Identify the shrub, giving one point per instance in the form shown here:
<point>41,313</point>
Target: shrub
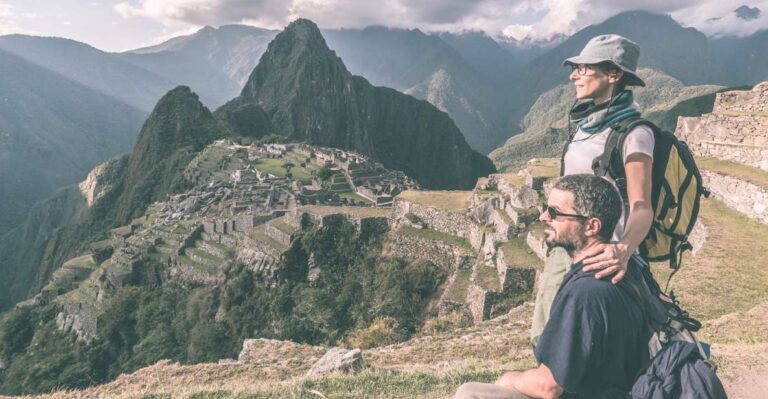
<point>383,331</point>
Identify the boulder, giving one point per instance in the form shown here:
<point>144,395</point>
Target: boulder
<point>338,360</point>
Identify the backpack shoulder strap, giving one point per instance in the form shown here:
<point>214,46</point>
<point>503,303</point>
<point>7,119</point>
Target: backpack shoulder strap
<point>614,145</point>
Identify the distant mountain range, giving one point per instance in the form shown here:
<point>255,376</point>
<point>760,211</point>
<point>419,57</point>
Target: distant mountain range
<point>486,86</point>
<point>53,130</point>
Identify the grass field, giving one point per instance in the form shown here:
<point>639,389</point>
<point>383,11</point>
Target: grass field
<point>728,274</point>
<point>275,167</point>
<point>487,278</point>
<point>518,254</point>
<point>750,174</point>
<point>457,291</point>
<point>454,201</point>
<point>439,236</point>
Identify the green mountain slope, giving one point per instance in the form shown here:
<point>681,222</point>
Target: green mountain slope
<point>309,95</point>
<point>52,132</point>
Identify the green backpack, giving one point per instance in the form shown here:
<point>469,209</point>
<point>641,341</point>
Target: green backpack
<point>676,189</point>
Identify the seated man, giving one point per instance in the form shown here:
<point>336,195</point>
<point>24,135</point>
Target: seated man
<point>595,341</point>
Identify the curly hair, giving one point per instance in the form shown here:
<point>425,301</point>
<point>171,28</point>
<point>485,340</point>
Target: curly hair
<point>594,197</point>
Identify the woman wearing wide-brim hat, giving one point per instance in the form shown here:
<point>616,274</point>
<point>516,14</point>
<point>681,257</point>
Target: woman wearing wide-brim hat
<point>601,74</point>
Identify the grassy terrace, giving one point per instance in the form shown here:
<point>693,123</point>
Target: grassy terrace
<point>457,291</point>
<point>725,276</point>
<point>454,201</point>
<point>487,277</point>
<point>347,210</point>
<point>430,234</point>
<point>750,174</point>
<point>547,167</point>
<point>284,227</point>
<point>186,261</point>
<point>513,179</point>
<point>275,167</point>
<point>259,235</point>
<point>81,262</point>
<point>517,254</point>
<point>356,197</point>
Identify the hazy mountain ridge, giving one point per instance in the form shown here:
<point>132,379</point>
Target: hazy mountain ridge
<point>410,61</point>
<point>52,132</point>
<point>101,71</point>
<point>214,62</point>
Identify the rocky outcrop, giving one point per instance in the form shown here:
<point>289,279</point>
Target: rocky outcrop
<point>338,360</point>
<point>102,179</point>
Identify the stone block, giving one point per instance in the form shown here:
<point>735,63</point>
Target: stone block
<point>338,360</point>
<point>519,279</point>
<point>537,245</point>
<point>477,301</point>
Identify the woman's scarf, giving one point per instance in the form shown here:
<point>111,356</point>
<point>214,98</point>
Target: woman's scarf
<point>593,118</point>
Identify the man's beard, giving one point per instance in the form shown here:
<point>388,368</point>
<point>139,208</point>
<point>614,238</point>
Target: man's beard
<point>572,242</point>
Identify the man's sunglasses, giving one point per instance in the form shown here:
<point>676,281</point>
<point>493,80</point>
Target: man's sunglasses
<point>553,213</point>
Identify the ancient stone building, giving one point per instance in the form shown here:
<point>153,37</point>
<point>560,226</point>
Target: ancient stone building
<point>736,130</point>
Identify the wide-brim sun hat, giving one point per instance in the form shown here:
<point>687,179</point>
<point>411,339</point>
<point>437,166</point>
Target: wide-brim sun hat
<point>618,50</point>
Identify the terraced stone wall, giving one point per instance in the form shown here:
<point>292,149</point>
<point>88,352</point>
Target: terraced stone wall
<point>737,194</point>
<point>447,257</point>
<point>748,101</point>
<point>736,130</point>
<point>438,219</point>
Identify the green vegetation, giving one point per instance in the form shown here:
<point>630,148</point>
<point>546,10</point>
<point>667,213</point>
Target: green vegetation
<point>277,168</point>
<point>756,176</point>
<point>357,296</point>
<point>357,198</point>
<point>457,291</point>
<point>487,277</point>
<point>518,254</point>
<point>439,236</point>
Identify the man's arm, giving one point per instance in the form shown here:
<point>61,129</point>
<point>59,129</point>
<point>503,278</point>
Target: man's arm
<point>536,383</point>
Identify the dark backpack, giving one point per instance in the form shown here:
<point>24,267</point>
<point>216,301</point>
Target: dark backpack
<point>676,189</point>
<point>677,364</point>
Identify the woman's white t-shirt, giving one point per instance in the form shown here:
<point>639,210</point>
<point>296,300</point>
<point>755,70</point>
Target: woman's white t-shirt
<point>585,147</point>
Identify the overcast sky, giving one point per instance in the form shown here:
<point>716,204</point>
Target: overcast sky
<point>118,25</point>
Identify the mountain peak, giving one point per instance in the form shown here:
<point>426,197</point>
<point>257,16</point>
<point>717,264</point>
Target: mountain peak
<point>296,56</point>
<point>301,34</point>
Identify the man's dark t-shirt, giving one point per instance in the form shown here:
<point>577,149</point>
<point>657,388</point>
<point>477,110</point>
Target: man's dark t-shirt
<point>595,339</point>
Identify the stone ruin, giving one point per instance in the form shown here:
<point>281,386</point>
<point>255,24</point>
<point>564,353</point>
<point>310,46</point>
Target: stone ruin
<point>736,131</point>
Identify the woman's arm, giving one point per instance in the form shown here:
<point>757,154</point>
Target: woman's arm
<point>612,258</point>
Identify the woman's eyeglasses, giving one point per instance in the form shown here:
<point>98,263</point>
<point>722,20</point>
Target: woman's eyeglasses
<point>553,213</point>
<point>581,69</point>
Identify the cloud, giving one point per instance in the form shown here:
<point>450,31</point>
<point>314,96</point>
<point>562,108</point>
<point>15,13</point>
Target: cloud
<point>747,13</point>
<point>9,24</point>
<point>720,18</point>
<point>205,12</point>
<point>495,17</point>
